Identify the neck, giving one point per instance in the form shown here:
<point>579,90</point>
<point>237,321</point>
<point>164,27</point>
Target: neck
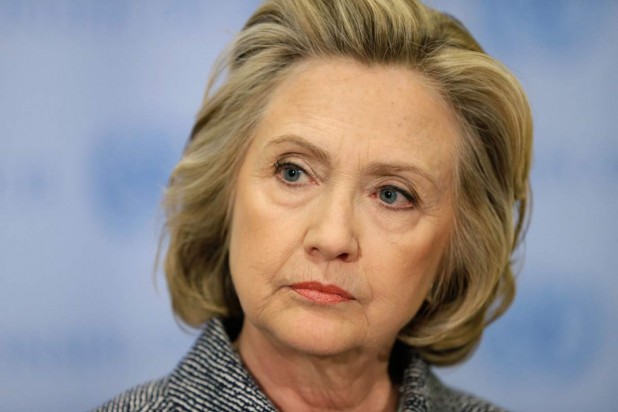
<point>294,381</point>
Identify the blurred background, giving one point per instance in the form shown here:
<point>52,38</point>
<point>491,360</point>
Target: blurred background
<point>96,101</point>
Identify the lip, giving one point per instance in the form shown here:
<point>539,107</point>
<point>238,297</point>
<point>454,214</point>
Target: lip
<point>322,294</point>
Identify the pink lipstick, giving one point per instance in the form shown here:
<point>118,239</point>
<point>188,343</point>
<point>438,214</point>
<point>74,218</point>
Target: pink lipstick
<point>323,294</point>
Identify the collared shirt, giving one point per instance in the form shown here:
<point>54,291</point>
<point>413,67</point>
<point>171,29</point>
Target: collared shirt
<point>211,377</point>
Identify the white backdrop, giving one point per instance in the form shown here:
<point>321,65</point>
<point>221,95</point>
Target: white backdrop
<point>96,101</point>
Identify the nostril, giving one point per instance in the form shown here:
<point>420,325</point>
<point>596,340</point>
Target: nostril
<point>344,256</point>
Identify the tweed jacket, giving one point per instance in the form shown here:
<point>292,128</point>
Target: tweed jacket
<point>212,377</point>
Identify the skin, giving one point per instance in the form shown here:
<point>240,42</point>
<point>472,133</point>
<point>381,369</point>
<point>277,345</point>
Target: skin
<point>347,182</point>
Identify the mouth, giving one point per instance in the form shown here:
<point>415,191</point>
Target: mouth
<point>322,294</point>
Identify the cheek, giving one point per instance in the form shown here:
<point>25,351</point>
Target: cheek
<point>250,254</point>
<point>249,237</point>
<point>403,269</point>
<point>260,240</point>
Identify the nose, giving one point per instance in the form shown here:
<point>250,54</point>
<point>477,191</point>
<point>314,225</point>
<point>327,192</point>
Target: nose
<point>332,234</point>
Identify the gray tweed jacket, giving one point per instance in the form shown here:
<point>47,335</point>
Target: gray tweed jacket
<point>211,377</point>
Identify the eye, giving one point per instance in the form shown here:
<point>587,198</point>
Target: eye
<point>290,173</point>
<point>388,195</point>
<point>396,198</point>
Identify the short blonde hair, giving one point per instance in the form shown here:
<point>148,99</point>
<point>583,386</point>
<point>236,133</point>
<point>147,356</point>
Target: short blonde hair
<point>476,283</point>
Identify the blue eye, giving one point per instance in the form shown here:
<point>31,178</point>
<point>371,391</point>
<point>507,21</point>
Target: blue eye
<point>291,173</point>
<point>388,195</point>
<point>396,198</point>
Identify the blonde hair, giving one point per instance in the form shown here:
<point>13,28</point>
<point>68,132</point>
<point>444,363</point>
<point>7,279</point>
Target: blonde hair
<point>476,282</point>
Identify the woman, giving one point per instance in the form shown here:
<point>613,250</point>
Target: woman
<point>344,214</point>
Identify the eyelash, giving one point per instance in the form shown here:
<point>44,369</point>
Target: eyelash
<point>414,201</point>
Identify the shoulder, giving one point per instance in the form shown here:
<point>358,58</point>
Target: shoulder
<point>211,377</point>
<point>445,398</point>
<point>422,390</point>
<point>150,396</point>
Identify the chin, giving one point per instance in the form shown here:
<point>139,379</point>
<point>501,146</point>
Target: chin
<point>318,331</point>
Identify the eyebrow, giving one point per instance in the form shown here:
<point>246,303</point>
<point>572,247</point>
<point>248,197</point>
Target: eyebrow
<point>315,151</point>
<point>376,169</point>
<point>387,169</point>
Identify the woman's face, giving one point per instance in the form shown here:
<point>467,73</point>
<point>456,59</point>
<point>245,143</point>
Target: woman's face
<point>343,206</point>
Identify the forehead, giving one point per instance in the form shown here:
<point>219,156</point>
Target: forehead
<point>351,109</point>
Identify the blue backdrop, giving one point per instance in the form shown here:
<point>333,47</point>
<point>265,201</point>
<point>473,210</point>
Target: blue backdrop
<point>96,101</point>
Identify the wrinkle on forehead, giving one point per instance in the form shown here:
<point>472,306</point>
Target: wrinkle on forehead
<point>368,110</point>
